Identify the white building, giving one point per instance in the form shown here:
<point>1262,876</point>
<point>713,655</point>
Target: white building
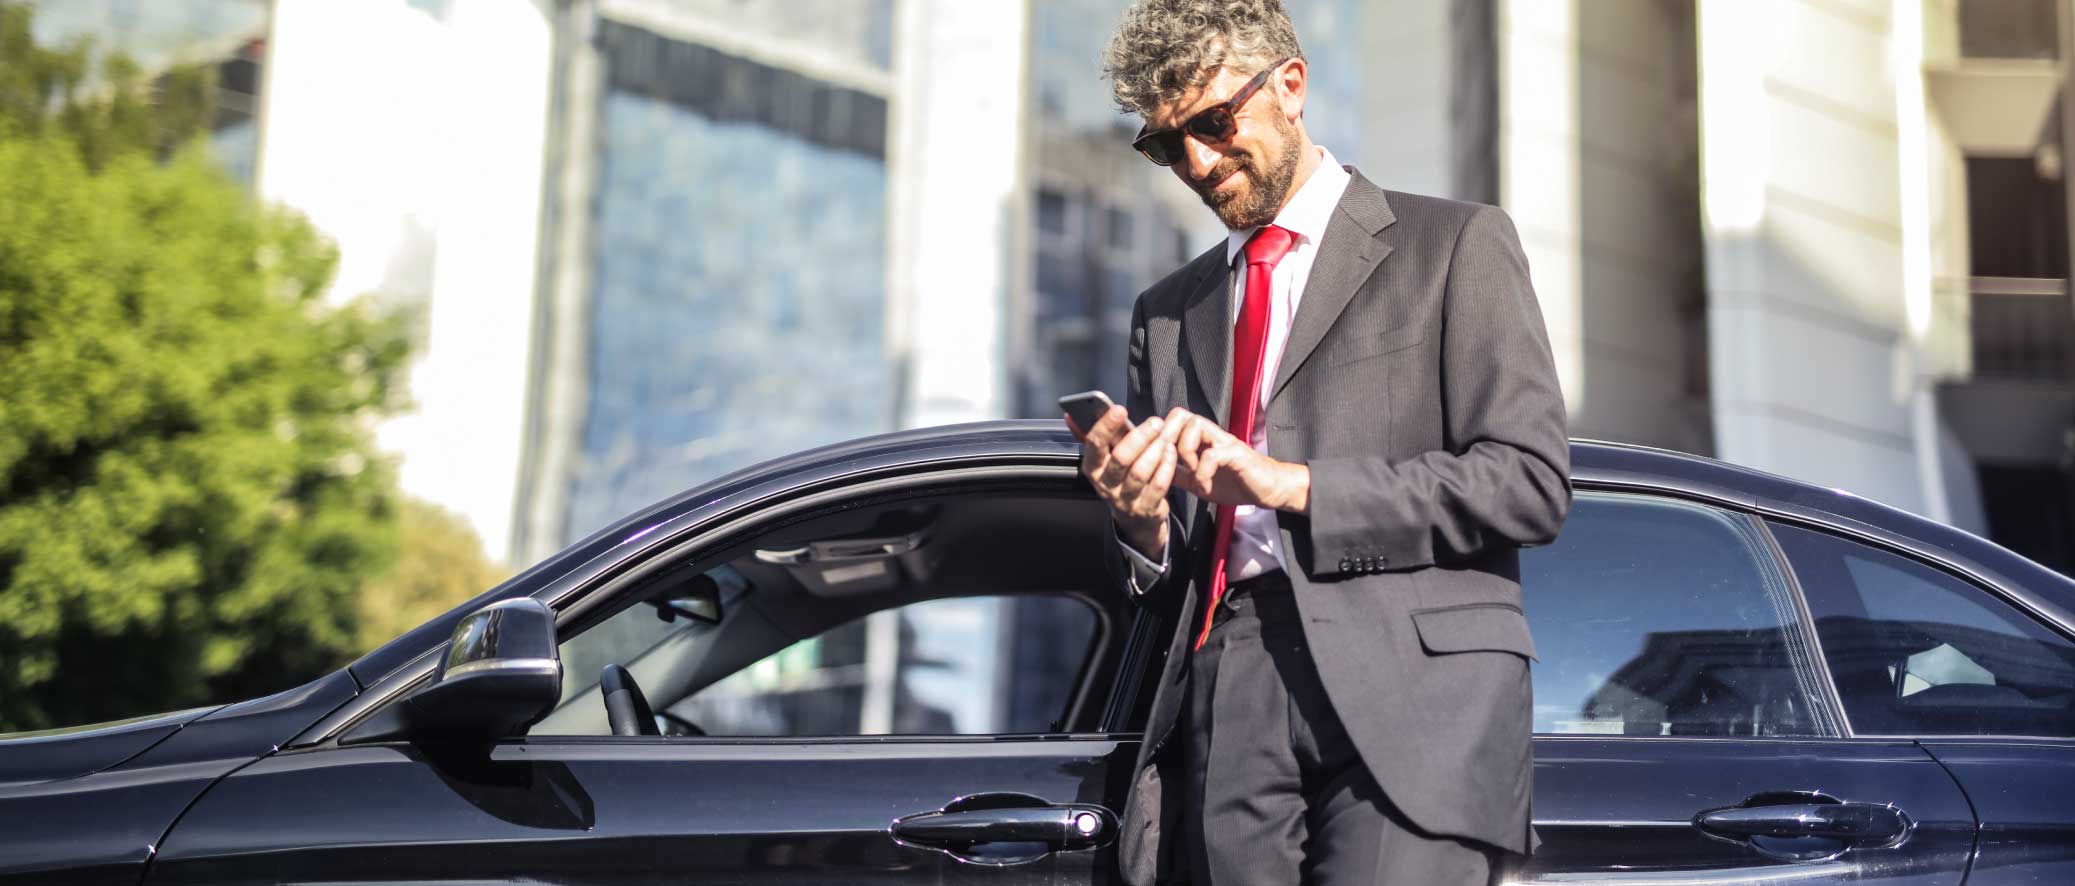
<point>655,240</point>
<point>1825,239</point>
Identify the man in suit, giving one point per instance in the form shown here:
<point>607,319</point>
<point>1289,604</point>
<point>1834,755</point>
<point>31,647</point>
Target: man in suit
<point>1347,425</point>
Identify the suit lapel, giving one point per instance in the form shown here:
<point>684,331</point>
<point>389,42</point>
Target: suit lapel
<point>1348,255</point>
<point>1207,326</point>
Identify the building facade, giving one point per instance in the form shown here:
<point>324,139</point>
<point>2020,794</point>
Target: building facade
<point>654,241</point>
<point>229,36</point>
<point>1826,239</point>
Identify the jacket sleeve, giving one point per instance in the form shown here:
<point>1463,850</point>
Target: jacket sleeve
<point>1141,577</point>
<point>1504,479</point>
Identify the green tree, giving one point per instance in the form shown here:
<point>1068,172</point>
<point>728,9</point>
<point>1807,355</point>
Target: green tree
<point>440,565</point>
<point>189,499</point>
<point>100,101</point>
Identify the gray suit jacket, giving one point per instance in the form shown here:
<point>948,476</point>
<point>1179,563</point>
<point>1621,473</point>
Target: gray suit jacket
<point>1417,384</point>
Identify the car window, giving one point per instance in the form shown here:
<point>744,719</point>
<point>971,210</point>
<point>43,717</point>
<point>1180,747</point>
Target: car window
<point>963,666</point>
<point>1657,617</point>
<point>984,665</point>
<point>630,634</point>
<point>1918,651</point>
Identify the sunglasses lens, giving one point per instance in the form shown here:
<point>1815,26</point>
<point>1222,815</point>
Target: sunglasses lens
<point>1214,125</point>
<point>1163,148</point>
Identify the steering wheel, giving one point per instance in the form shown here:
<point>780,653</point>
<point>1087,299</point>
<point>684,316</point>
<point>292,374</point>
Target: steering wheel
<point>625,707</point>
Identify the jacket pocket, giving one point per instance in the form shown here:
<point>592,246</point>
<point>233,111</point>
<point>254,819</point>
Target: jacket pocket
<point>1390,342</point>
<point>1474,627</point>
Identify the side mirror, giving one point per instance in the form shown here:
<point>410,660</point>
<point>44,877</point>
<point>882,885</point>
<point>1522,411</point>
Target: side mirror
<point>501,673</point>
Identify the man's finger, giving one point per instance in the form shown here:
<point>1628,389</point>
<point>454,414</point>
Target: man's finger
<point>1127,449</point>
<point>1143,494</point>
<point>1155,489</point>
<point>1185,478</point>
<point>1218,436</point>
<point>1109,428</point>
<point>1163,477</point>
<point>1093,459</point>
<point>1115,456</point>
<point>1207,466</point>
<point>1148,460</point>
<point>1190,442</point>
<point>1171,429</point>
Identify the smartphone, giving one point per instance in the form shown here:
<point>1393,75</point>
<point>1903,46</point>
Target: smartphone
<point>1087,408</point>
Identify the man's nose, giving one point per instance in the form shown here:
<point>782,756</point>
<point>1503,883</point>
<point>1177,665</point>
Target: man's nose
<point>1202,158</point>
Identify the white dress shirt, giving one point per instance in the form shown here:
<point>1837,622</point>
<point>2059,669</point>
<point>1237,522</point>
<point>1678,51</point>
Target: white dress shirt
<point>1256,543</point>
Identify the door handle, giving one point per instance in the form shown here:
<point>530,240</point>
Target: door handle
<point>1855,822</point>
<point>1006,828</point>
<point>1805,826</point>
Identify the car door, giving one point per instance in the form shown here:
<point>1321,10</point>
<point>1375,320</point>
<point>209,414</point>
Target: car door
<point>921,703</point>
<point>1683,733</point>
<point>1922,653</point>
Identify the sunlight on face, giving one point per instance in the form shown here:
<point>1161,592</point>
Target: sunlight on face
<point>1245,180</point>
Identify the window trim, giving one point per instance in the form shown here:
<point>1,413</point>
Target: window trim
<point>1826,683</point>
<point>1670,487</point>
<point>1991,589</point>
<point>1141,644</point>
<point>1972,577</point>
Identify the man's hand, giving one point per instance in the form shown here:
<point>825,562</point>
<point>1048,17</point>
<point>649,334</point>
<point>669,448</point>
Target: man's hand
<point>1218,467</point>
<point>1131,470</point>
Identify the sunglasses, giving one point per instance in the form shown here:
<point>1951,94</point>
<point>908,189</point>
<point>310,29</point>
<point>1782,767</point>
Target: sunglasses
<point>1214,125</point>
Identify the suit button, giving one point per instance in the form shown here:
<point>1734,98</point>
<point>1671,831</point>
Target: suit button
<point>1346,565</point>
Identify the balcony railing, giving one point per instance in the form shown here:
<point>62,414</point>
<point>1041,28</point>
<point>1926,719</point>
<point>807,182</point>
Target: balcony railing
<point>2023,329</point>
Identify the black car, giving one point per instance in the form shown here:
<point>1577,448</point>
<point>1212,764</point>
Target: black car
<point>898,660</point>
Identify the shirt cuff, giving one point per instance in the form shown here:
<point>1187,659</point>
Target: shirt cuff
<point>1143,572</point>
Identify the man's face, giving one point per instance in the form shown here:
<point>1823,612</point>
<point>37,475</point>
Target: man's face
<point>1247,179</point>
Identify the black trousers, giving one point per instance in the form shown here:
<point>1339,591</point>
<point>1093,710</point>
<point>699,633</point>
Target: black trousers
<point>1277,792</point>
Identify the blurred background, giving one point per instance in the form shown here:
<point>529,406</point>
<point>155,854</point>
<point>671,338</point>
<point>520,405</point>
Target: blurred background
<point>317,316</point>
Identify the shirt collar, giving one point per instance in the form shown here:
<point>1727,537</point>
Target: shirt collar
<point>1308,210</point>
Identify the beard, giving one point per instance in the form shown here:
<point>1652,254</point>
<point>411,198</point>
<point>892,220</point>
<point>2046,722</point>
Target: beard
<point>1266,189</point>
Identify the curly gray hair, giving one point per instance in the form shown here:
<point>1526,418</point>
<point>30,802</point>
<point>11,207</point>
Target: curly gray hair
<point>1166,48</point>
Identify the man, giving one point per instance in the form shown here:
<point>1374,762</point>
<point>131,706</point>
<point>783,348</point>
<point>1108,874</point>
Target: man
<point>1355,394</point>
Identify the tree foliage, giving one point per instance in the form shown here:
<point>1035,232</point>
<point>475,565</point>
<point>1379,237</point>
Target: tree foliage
<point>439,566</point>
<point>189,498</point>
<point>101,102</point>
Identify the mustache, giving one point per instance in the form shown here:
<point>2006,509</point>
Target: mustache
<point>1219,173</point>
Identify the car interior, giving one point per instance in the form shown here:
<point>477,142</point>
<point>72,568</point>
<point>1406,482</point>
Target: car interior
<point>1017,579</point>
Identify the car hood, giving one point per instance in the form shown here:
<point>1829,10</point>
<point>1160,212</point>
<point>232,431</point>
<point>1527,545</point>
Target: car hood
<point>57,754</point>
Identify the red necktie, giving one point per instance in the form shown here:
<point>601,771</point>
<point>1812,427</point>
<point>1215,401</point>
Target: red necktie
<point>1249,345</point>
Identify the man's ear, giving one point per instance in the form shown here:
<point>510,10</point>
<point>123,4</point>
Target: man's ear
<point>1293,79</point>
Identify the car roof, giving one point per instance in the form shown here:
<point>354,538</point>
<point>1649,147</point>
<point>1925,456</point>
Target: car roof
<point>1595,464</point>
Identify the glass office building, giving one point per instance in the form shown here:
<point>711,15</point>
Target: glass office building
<point>228,35</point>
<point>1107,224</point>
<point>737,267</point>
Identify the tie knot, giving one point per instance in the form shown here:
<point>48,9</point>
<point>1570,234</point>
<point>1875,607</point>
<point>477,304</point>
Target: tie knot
<point>1269,245</point>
